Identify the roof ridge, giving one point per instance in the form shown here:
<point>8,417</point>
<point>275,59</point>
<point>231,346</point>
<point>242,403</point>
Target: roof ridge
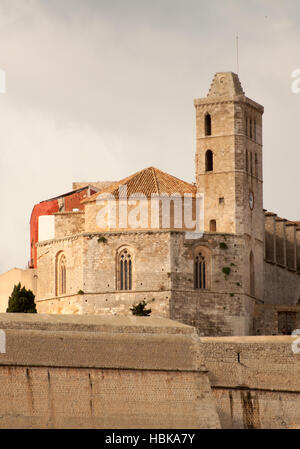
<point>155,179</point>
<point>172,176</point>
<point>156,182</point>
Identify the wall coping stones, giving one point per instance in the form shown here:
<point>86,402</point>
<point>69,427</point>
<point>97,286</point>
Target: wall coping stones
<point>142,343</point>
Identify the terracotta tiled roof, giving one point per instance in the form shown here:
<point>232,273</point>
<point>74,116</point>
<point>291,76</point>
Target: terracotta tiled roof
<point>147,182</point>
<point>98,184</point>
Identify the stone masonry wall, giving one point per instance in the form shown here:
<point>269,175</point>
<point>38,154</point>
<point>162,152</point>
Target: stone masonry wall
<point>110,304</point>
<point>214,314</point>
<point>135,372</point>
<point>267,318</point>
<point>225,308</point>
<point>101,372</point>
<point>92,267</point>
<point>68,223</point>
<point>163,276</point>
<point>150,252</point>
<point>282,286</point>
<point>46,267</point>
<point>255,381</point>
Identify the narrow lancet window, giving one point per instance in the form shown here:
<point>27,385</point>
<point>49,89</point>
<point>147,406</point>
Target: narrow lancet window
<point>125,271</point>
<point>209,163</point>
<point>61,275</point>
<point>207,125</point>
<point>200,271</point>
<point>256,165</point>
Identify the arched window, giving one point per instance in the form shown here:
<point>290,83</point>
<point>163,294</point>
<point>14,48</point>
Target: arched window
<point>212,226</point>
<point>209,165</point>
<point>247,164</point>
<point>251,163</point>
<point>255,130</point>
<point>201,268</point>
<point>252,278</point>
<point>246,126</point>
<point>61,274</point>
<point>256,165</point>
<point>207,125</point>
<point>125,270</point>
<point>250,128</point>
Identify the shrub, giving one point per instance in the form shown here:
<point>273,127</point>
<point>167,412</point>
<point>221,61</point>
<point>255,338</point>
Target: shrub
<point>80,292</point>
<point>139,309</point>
<point>223,245</point>
<point>21,301</point>
<point>226,270</point>
<point>102,239</point>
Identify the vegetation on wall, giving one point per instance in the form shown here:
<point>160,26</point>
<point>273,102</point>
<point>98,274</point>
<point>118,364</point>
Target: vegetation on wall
<point>226,270</point>
<point>21,301</point>
<point>140,310</point>
<point>102,239</point>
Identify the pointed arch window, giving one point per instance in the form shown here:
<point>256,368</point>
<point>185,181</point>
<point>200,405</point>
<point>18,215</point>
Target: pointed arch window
<point>209,160</point>
<point>247,163</point>
<point>207,125</point>
<point>200,271</point>
<point>252,274</point>
<point>201,268</point>
<point>125,267</point>
<point>61,275</point>
<point>256,165</point>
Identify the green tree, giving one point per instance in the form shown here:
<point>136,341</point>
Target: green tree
<point>21,301</point>
<point>139,309</point>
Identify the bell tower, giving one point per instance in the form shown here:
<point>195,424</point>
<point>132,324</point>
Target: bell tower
<point>229,173</point>
<point>229,158</point>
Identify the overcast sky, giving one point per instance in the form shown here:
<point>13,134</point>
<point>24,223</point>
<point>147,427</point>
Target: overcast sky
<point>99,89</point>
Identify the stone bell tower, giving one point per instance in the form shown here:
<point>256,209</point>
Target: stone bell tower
<point>229,166</point>
<point>229,158</point>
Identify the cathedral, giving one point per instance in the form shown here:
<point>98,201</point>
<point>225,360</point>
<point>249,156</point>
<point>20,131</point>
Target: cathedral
<point>217,260</point>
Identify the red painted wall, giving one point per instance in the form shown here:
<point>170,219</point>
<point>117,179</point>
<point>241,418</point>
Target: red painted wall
<point>73,201</point>
<point>49,207</point>
<point>44,208</point>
